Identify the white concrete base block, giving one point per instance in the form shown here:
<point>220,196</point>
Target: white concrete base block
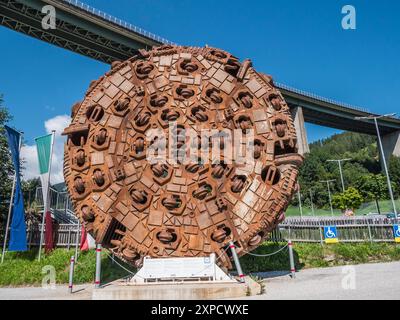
<point>177,291</point>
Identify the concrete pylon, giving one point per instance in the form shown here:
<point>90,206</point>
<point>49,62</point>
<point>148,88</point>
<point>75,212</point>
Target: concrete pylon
<point>391,145</point>
<point>299,124</point>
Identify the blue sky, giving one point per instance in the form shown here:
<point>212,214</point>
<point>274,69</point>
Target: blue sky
<point>300,43</point>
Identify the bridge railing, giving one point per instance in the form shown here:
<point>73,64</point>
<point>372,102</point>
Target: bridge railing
<point>116,21</point>
<point>312,95</point>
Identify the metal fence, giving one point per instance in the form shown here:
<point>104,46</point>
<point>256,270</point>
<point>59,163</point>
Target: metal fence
<point>372,228</point>
<point>65,235</point>
<point>309,230</point>
<point>357,229</point>
<point>59,200</point>
<point>60,205</point>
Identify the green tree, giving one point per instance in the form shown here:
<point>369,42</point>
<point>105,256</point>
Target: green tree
<point>351,199</point>
<point>29,189</point>
<point>6,167</point>
<point>373,187</point>
<point>361,148</point>
<point>394,172</point>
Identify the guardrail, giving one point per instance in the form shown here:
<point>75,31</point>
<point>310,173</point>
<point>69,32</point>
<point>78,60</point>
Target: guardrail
<point>109,18</point>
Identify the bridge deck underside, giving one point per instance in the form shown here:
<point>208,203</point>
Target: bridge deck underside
<point>323,114</point>
<point>76,31</point>
<point>89,35</point>
<point>340,122</point>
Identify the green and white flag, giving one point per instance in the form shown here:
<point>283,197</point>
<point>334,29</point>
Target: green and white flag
<point>44,149</point>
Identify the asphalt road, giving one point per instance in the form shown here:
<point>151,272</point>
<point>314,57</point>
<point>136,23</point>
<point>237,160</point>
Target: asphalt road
<point>368,281</point>
<point>379,281</point>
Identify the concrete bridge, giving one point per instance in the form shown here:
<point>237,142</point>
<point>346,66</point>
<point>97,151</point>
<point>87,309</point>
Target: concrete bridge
<point>90,32</point>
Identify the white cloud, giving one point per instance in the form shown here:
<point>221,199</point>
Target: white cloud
<point>28,152</point>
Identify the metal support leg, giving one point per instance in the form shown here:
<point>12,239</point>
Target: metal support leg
<point>236,260</point>
<point>98,266</point>
<point>291,260</point>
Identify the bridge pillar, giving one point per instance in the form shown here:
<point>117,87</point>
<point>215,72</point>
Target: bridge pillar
<point>391,145</point>
<point>297,114</point>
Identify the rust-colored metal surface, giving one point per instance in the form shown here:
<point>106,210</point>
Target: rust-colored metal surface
<point>139,205</point>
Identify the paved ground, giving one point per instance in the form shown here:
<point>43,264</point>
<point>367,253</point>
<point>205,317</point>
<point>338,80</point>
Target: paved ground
<point>81,292</point>
<point>368,281</point>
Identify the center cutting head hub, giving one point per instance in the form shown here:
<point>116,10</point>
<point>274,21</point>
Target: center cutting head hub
<point>133,185</point>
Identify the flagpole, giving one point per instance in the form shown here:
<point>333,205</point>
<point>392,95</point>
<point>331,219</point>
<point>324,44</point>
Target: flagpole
<point>11,205</point>
<point>46,206</point>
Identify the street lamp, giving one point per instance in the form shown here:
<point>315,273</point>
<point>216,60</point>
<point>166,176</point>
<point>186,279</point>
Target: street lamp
<point>312,203</point>
<point>339,161</point>
<point>329,192</point>
<point>375,118</point>
<point>300,205</point>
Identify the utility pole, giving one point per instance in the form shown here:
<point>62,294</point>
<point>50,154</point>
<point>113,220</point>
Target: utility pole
<point>375,118</point>
<point>329,192</point>
<point>340,161</point>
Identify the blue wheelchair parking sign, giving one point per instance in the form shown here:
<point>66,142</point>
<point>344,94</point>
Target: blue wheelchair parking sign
<point>396,232</point>
<point>330,234</point>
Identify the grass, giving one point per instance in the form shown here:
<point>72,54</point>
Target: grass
<point>317,256</point>
<point>385,206</point>
<point>21,269</point>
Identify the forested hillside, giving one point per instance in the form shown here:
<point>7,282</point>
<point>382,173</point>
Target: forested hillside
<point>363,172</point>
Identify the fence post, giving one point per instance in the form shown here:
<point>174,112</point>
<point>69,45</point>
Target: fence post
<point>98,266</point>
<point>69,238</point>
<point>291,260</point>
<point>237,262</point>
<point>320,233</point>
<point>369,231</point>
<point>71,274</point>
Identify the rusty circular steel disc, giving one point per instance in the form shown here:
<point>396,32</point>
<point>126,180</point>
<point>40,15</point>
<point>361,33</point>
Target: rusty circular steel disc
<point>138,206</point>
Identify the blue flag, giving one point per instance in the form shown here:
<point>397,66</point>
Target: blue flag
<point>18,226</point>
